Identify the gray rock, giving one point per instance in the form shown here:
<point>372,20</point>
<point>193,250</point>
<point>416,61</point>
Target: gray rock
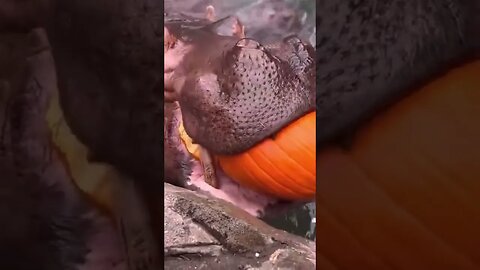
<point>207,233</point>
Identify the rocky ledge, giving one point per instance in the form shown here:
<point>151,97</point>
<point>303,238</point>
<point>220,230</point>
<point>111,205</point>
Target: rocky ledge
<point>205,233</point>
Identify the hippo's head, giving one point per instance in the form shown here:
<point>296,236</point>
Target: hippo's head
<point>234,92</point>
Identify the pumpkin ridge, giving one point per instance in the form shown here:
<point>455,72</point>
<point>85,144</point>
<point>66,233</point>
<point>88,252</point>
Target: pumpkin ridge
<point>300,150</point>
<point>290,160</point>
<point>287,173</point>
<point>259,153</point>
<point>297,149</point>
<point>284,189</point>
<point>242,173</point>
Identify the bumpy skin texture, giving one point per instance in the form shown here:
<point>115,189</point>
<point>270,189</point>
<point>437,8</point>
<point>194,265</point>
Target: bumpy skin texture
<point>237,92</point>
<point>370,52</point>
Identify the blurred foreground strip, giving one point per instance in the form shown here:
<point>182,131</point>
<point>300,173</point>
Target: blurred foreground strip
<point>406,195</point>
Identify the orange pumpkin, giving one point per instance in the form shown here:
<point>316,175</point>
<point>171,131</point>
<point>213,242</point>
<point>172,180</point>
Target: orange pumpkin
<point>407,193</point>
<point>283,166</point>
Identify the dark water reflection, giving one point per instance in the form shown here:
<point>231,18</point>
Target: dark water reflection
<point>300,221</point>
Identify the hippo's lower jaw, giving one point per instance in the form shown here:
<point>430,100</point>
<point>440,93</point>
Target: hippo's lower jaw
<point>253,202</point>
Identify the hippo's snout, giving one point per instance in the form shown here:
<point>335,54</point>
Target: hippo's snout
<point>234,92</point>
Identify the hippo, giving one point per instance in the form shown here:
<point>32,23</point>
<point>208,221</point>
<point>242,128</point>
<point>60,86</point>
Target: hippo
<point>282,75</point>
<point>235,92</point>
<point>230,87</point>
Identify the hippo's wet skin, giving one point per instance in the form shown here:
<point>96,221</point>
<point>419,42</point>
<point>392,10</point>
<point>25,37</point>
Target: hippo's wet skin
<point>235,92</point>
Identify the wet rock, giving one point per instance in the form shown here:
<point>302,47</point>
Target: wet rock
<point>206,233</point>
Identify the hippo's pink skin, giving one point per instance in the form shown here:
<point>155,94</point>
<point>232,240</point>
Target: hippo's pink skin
<point>253,202</point>
<point>172,59</point>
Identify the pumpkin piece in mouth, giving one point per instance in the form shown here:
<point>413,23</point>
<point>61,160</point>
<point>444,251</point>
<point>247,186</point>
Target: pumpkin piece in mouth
<point>200,153</point>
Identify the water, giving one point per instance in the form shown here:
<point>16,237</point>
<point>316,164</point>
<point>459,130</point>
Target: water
<point>300,221</point>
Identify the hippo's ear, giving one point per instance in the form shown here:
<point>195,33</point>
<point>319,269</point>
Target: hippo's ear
<point>210,13</point>
<point>228,26</point>
<point>249,43</point>
<point>302,62</point>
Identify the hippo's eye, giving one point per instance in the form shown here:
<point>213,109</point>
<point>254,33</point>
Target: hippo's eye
<point>249,44</point>
<point>172,45</point>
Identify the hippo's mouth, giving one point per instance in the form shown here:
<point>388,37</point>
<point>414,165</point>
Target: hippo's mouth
<point>253,202</point>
